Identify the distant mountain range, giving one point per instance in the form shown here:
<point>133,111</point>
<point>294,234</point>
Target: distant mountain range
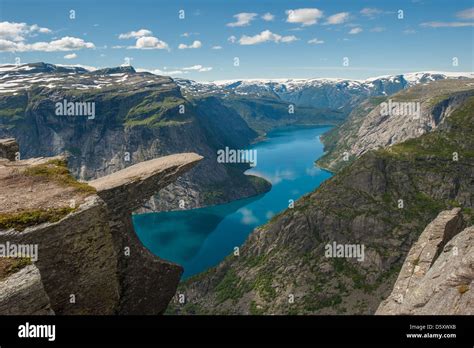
<point>318,92</point>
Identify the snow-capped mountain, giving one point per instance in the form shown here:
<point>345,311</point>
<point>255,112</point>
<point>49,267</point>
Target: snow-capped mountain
<point>331,93</point>
<point>15,78</point>
<point>323,93</point>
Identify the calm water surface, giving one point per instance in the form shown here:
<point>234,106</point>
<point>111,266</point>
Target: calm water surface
<point>200,238</point>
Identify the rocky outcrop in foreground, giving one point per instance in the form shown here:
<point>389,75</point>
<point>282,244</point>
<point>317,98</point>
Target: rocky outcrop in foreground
<point>89,259</point>
<point>438,273</point>
<point>23,293</point>
<point>8,148</point>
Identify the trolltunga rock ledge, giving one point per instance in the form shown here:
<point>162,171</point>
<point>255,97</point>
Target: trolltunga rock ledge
<point>90,253</point>
<point>129,188</point>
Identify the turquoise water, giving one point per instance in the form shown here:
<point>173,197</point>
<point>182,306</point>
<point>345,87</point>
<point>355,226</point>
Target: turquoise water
<point>200,238</point>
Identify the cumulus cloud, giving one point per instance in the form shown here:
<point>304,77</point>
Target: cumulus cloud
<point>242,19</point>
<point>305,16</point>
<point>135,34</point>
<point>12,31</point>
<point>217,47</point>
<point>447,24</point>
<point>265,36</point>
<point>315,41</point>
<point>268,17</point>
<point>195,44</point>
<point>66,43</point>
<point>338,18</point>
<point>355,31</point>
<point>145,40</point>
<point>466,14</point>
<point>70,56</point>
<point>150,43</point>
<point>232,39</point>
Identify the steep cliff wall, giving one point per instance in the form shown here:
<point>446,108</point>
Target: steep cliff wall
<point>421,109</point>
<point>438,273</point>
<point>23,293</point>
<point>89,260</point>
<point>138,117</point>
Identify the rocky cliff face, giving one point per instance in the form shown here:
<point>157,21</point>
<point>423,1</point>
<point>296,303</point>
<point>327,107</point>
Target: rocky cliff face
<point>380,203</point>
<point>138,116</point>
<point>89,260</point>
<point>8,148</point>
<point>438,273</point>
<point>370,126</point>
<point>23,293</point>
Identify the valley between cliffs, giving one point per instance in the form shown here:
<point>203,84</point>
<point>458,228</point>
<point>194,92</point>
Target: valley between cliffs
<point>383,199</point>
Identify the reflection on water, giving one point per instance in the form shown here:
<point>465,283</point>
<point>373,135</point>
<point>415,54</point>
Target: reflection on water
<point>200,238</point>
<point>194,226</point>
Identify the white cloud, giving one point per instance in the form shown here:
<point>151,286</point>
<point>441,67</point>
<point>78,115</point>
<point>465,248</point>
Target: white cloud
<point>447,24</point>
<point>198,68</point>
<point>66,43</point>
<point>355,31</point>
<point>70,56</point>
<point>193,67</point>
<point>315,41</point>
<point>206,68</point>
<point>12,31</point>
<point>265,36</point>
<point>135,34</point>
<point>242,19</point>
<point>268,17</point>
<point>177,71</point>
<point>217,47</point>
<point>150,43</point>
<point>232,39</point>
<point>466,14</point>
<point>305,16</point>
<point>162,72</point>
<point>371,12</point>
<point>338,18</point>
<point>195,44</point>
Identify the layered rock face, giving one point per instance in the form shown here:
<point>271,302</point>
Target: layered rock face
<point>137,117</point>
<point>438,273</point>
<point>8,148</point>
<point>413,112</point>
<point>144,279</point>
<point>89,259</point>
<point>23,293</point>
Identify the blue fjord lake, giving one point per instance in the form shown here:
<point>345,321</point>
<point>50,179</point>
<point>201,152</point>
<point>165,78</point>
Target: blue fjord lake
<point>200,238</point>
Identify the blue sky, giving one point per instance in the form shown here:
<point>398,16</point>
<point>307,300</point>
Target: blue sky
<point>272,39</point>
